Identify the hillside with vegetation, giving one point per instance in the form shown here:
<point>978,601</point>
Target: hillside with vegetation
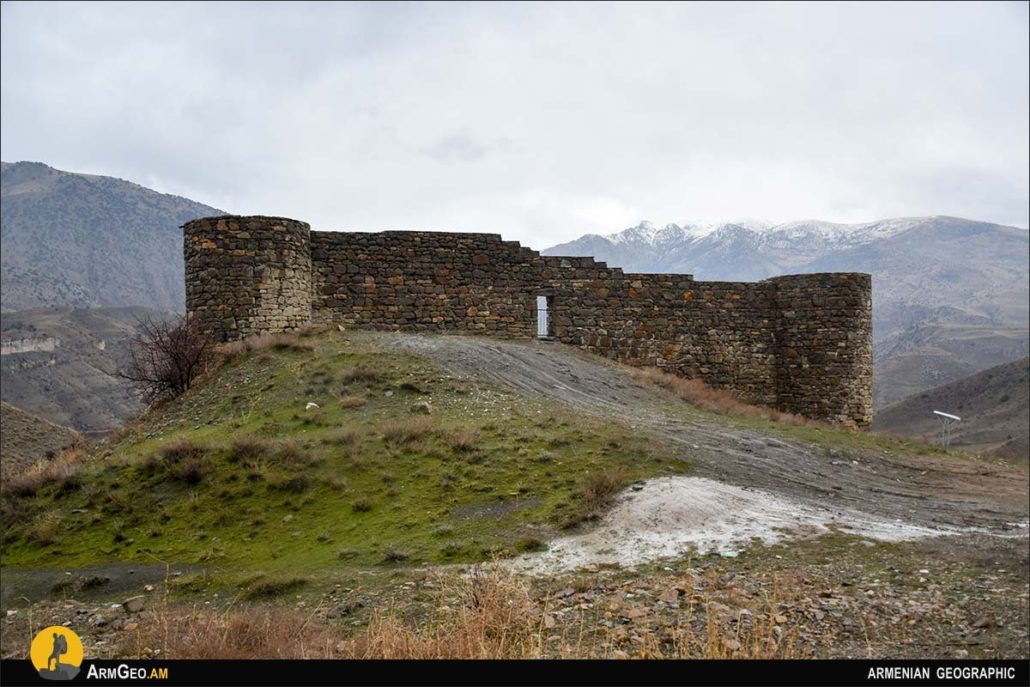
<point>394,495</point>
<point>27,439</point>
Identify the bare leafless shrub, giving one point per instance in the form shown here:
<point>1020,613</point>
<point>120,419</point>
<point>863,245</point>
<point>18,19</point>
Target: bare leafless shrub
<point>395,556</point>
<point>271,588</point>
<point>343,437</point>
<point>167,357</point>
<point>293,456</point>
<point>531,544</point>
<point>13,510</point>
<point>595,493</point>
<point>599,487</point>
<point>361,505</point>
<point>183,461</point>
<point>334,482</point>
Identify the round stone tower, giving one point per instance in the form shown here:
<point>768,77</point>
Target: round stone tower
<point>825,346</point>
<point>247,275</point>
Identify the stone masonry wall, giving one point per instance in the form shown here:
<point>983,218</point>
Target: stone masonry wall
<point>424,281</point>
<point>799,343</point>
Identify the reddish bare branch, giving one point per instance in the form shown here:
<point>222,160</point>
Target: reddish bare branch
<point>167,357</point>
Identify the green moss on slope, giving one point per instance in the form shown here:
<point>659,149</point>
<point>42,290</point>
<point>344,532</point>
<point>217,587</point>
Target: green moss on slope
<point>240,474</point>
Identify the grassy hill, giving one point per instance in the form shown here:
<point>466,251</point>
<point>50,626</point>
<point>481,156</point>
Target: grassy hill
<point>399,463</point>
<point>994,406</point>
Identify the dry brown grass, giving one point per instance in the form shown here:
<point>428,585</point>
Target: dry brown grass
<point>362,375</point>
<point>249,451</point>
<point>407,430</point>
<point>352,401</point>
<point>46,527</point>
<point>244,632</point>
<point>228,352</point>
<point>696,392</point>
<point>181,450</point>
<point>488,614</point>
<point>62,470</point>
<point>496,619</point>
<point>462,440</point>
<point>600,487</point>
<point>343,437</point>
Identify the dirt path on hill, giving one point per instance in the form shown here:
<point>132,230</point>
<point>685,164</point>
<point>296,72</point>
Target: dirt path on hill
<point>930,491</point>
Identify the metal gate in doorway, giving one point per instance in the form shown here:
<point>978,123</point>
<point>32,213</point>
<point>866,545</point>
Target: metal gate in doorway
<point>544,317</point>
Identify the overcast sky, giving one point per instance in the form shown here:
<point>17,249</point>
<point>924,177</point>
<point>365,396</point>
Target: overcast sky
<point>541,122</point>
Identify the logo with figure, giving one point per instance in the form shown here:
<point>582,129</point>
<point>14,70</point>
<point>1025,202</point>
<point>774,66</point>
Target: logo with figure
<point>56,653</point>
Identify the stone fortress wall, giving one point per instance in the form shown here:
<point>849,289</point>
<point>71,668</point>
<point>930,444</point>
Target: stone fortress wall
<point>799,343</point>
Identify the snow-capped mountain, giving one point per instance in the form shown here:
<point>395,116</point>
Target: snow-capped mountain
<point>699,247</point>
<point>950,296</point>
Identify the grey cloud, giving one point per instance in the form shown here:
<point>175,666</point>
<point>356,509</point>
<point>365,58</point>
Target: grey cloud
<point>539,121</point>
<point>457,148</point>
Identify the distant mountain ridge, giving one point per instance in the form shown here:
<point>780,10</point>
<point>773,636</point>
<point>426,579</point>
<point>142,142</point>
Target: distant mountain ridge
<point>83,240</point>
<point>941,285</point>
